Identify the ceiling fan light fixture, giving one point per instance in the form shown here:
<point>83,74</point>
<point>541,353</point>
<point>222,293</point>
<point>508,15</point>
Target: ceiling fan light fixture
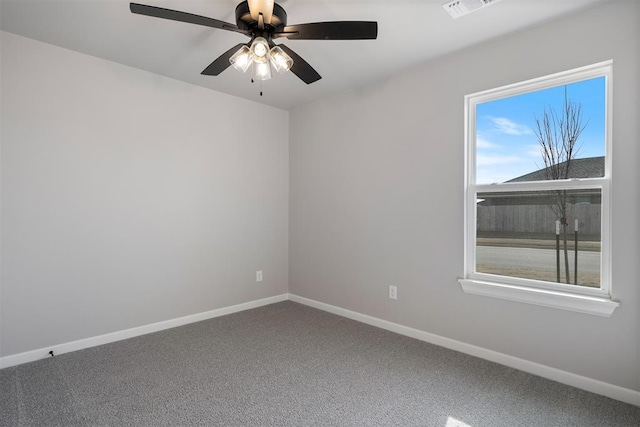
<point>259,47</point>
<point>264,21</point>
<point>241,60</point>
<point>261,69</point>
<point>264,7</point>
<point>280,60</point>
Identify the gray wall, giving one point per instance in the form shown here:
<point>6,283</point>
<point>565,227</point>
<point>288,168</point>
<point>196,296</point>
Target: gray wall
<point>129,198</point>
<point>377,198</point>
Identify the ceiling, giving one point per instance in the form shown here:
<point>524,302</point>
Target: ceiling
<point>409,32</point>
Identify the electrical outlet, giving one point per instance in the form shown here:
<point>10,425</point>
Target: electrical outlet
<point>393,292</point>
<point>259,276</point>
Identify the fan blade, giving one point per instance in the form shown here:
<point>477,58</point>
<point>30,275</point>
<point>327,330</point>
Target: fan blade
<point>190,18</point>
<point>222,62</point>
<point>340,30</point>
<point>301,68</point>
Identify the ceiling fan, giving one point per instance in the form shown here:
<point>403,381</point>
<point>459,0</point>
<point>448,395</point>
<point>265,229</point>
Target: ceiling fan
<point>263,21</point>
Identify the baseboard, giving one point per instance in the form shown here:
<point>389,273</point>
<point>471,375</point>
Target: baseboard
<point>33,355</point>
<point>589,384</point>
<point>568,378</point>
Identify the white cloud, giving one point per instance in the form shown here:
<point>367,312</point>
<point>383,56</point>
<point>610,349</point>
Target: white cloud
<point>482,160</point>
<point>483,143</point>
<point>533,150</point>
<point>509,127</point>
<point>491,175</point>
<point>490,169</point>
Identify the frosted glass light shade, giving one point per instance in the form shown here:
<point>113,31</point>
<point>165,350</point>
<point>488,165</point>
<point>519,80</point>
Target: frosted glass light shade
<point>242,59</point>
<point>260,47</point>
<point>280,60</point>
<point>261,69</point>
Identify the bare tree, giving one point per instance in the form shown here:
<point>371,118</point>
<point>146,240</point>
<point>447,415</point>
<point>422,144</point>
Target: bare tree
<point>558,135</point>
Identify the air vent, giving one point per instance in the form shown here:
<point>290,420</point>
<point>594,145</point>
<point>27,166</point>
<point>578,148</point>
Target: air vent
<point>458,8</point>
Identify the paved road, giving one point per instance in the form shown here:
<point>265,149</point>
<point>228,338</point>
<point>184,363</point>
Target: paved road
<point>588,262</point>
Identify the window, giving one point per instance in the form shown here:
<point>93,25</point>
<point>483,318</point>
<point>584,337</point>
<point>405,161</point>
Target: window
<point>538,178</point>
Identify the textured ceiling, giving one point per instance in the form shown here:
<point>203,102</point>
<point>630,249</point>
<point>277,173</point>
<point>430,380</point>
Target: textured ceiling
<point>409,32</point>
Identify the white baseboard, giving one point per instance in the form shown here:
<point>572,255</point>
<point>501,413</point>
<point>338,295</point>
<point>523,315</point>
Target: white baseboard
<point>42,353</point>
<point>564,377</point>
<point>589,384</point>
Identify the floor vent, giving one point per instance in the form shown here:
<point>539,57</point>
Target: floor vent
<point>458,8</point>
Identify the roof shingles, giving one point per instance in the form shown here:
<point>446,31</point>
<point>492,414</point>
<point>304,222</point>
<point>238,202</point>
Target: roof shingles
<point>590,167</point>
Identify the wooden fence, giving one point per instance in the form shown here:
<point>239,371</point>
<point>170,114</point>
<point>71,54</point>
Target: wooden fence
<point>536,218</point>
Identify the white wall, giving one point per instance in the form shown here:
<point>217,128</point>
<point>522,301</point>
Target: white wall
<point>129,198</point>
<point>377,199</point>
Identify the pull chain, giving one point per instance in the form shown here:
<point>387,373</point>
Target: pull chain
<point>253,81</point>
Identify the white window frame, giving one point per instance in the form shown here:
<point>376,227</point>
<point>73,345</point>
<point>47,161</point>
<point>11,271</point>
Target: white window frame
<point>557,295</point>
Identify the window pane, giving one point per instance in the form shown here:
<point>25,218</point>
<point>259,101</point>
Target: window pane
<point>520,138</point>
<point>516,235</point>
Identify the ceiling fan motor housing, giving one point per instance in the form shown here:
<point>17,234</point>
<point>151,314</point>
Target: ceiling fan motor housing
<point>245,22</point>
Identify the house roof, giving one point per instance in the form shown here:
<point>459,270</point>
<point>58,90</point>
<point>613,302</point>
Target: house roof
<point>590,167</point>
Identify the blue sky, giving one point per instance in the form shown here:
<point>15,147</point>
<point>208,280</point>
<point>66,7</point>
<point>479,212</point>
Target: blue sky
<point>506,144</point>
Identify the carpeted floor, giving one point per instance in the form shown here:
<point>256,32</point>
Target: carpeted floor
<point>289,365</point>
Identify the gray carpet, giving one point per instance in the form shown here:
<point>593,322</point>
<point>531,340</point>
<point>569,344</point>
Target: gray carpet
<point>289,365</point>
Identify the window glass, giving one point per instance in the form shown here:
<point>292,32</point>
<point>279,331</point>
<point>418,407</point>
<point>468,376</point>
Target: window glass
<point>511,134</point>
<point>519,234</point>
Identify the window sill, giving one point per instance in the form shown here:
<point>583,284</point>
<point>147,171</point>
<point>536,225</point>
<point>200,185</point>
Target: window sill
<point>564,301</point>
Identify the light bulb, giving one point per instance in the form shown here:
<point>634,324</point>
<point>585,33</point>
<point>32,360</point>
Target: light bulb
<point>280,60</point>
<point>260,47</point>
<point>242,59</point>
